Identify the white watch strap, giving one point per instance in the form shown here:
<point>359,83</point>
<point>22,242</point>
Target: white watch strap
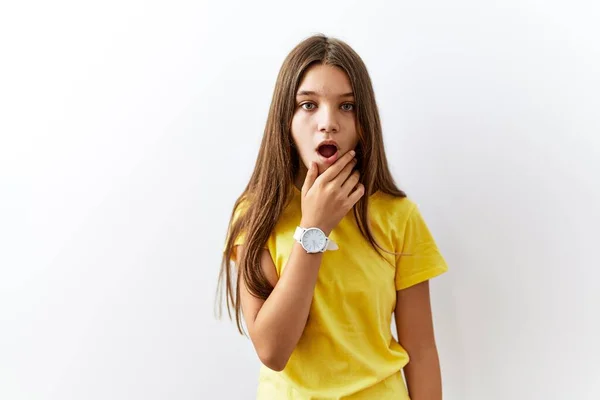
<point>331,245</point>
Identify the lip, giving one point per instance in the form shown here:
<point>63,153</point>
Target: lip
<point>334,156</point>
<point>329,141</point>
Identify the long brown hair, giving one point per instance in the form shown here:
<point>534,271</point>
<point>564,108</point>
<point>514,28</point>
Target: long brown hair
<point>270,187</point>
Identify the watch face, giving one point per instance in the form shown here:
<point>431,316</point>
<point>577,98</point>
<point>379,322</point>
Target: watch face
<point>313,240</point>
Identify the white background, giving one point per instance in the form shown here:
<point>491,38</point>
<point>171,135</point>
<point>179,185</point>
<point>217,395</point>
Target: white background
<point>129,128</point>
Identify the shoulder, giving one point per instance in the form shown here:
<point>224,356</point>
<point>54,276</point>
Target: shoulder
<point>393,215</point>
<point>385,206</point>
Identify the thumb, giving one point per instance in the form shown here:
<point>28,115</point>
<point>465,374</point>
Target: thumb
<point>311,176</point>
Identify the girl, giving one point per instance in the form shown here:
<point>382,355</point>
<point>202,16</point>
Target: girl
<point>317,284</point>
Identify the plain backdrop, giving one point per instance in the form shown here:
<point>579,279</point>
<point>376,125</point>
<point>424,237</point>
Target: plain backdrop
<point>128,129</point>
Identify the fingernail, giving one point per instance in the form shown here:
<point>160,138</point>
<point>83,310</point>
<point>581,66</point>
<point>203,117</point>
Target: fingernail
<point>352,152</point>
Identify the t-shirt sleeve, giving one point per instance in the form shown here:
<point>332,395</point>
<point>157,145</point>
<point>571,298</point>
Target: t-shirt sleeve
<point>241,237</point>
<point>421,259</point>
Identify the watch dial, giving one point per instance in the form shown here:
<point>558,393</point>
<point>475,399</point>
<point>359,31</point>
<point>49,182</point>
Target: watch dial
<point>314,240</point>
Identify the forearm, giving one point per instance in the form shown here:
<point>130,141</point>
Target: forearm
<point>281,320</point>
<point>423,375</point>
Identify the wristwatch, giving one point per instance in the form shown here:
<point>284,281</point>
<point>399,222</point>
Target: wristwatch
<point>313,240</point>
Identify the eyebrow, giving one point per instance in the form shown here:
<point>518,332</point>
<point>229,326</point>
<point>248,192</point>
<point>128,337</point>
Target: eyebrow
<point>312,93</point>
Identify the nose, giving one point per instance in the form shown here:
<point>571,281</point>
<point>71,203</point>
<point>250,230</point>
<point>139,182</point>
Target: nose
<point>328,120</point>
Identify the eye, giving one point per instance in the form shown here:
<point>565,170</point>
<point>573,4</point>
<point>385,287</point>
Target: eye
<point>349,106</point>
<point>307,104</point>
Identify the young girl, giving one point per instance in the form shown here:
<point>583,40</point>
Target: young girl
<point>326,248</point>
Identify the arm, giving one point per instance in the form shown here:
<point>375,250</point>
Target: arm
<point>275,325</point>
<point>415,333</point>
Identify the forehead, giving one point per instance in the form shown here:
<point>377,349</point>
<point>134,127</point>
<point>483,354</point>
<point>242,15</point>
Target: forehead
<point>325,80</point>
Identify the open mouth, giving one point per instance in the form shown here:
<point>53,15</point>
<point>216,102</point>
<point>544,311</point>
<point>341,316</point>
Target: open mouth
<point>327,150</point>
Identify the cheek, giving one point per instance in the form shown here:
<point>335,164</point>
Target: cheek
<point>294,130</point>
<point>300,121</point>
<point>300,133</point>
<point>353,137</point>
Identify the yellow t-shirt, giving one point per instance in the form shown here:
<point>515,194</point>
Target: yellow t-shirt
<point>347,350</point>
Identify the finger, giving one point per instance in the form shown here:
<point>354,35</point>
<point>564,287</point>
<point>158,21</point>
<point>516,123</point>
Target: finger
<point>350,183</point>
<point>337,166</point>
<point>309,180</point>
<point>339,180</point>
<point>357,194</point>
